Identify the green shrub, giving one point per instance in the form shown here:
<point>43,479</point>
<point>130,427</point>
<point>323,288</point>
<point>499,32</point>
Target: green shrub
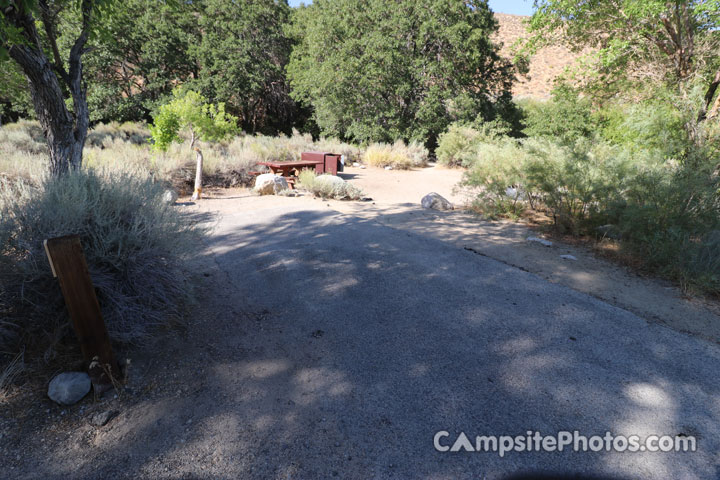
<point>135,245</point>
<point>497,171</point>
<point>566,116</point>
<point>577,184</point>
<point>398,155</point>
<point>328,186</point>
<point>458,145</point>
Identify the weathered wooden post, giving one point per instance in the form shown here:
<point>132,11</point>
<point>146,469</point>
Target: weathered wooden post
<point>68,264</point>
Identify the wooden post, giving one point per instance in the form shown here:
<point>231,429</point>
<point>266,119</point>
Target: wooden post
<point>69,266</point>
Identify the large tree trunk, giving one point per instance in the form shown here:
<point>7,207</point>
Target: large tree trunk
<point>65,131</point>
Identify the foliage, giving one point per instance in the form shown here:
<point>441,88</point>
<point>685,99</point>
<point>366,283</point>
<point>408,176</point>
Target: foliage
<point>382,71</point>
<point>661,197</point>
<point>497,168</point>
<point>133,241</point>
<point>242,58</point>
<point>636,44</point>
<point>190,110</point>
<point>144,52</point>
<point>14,96</point>
<point>328,186</point>
<point>457,146</point>
<point>397,155</point>
<point>566,116</point>
<point>122,147</point>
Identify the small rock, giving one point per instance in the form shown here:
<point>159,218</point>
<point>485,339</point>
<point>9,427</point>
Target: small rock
<point>568,257</point>
<point>356,164</point>
<point>436,201</point>
<point>169,196</point>
<point>389,167</point>
<point>541,241</point>
<point>363,166</point>
<point>69,388</point>
<point>101,419</point>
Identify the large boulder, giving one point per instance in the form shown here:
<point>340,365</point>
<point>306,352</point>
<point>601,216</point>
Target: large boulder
<point>270,184</point>
<point>69,388</point>
<point>435,201</point>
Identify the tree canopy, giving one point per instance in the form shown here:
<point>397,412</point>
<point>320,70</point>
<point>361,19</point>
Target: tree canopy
<point>378,70</point>
<point>242,58</point>
<point>661,41</point>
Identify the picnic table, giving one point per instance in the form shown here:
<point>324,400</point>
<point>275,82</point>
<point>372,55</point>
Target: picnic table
<point>289,170</point>
<point>286,168</point>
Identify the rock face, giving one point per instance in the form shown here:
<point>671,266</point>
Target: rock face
<point>169,196</point>
<point>69,388</point>
<point>436,201</point>
<point>270,184</point>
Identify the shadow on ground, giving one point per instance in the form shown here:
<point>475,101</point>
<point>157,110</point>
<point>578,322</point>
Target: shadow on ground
<point>333,346</point>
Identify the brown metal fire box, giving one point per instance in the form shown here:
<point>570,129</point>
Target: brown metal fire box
<point>330,161</point>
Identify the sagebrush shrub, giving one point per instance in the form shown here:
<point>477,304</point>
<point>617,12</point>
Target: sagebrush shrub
<point>328,186</point>
<point>135,245</point>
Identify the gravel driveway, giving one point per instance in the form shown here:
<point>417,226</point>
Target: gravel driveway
<point>330,345</point>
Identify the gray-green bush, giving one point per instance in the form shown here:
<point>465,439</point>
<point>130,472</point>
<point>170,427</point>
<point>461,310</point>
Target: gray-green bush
<point>328,186</point>
<point>662,199</point>
<point>134,243</point>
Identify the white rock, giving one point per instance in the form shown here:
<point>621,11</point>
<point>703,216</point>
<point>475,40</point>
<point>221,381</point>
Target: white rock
<point>436,201</point>
<point>389,167</point>
<point>269,184</point>
<point>568,257</point>
<point>541,241</point>
<point>169,196</point>
<point>363,166</point>
<point>356,164</point>
<point>69,388</point>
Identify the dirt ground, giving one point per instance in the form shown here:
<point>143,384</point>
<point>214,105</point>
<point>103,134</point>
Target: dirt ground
<point>351,361</point>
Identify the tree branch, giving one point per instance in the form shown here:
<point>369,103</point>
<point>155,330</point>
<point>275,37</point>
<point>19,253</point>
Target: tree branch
<point>48,20</point>
<point>709,95</point>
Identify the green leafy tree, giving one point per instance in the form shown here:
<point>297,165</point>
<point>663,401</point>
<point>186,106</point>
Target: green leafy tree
<point>375,70</point>
<point>242,59</point>
<point>205,121</point>
<point>143,55</point>
<point>664,41</point>
<point>14,97</point>
<point>29,33</point>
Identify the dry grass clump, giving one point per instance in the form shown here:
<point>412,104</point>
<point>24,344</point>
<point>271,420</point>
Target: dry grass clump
<point>23,153</point>
<point>398,155</point>
<point>135,133</point>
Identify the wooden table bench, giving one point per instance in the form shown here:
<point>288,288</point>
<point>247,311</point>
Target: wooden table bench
<point>286,169</point>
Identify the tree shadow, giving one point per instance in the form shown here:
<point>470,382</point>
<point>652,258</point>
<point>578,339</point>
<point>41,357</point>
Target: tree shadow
<point>332,345</point>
